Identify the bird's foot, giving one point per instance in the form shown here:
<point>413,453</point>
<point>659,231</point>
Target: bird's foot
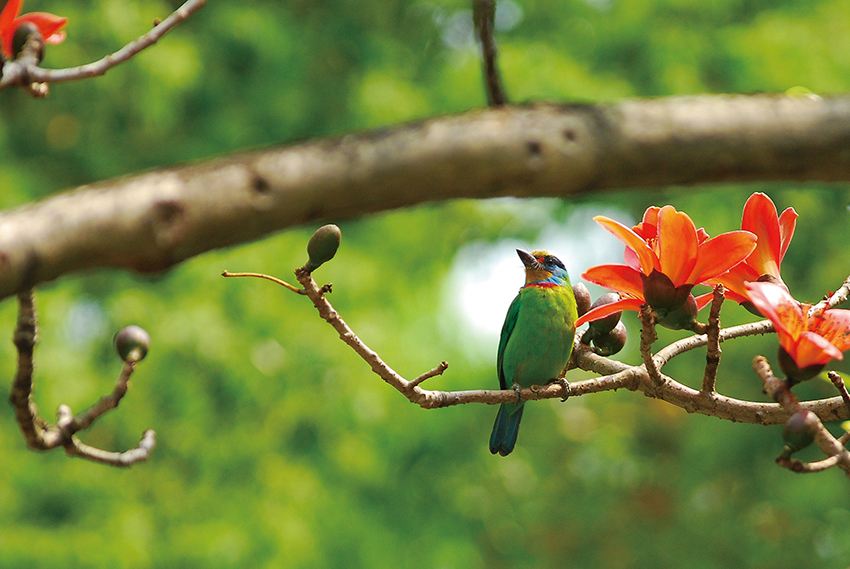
<point>566,385</point>
<point>518,390</point>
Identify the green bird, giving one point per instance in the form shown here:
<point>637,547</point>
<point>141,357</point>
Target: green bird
<point>537,338</point>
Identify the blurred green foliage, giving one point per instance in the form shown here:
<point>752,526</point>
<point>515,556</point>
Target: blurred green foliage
<point>277,447</point>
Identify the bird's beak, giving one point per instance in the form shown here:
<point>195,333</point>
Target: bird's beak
<point>529,261</point>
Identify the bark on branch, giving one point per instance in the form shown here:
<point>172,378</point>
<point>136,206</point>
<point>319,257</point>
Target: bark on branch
<point>152,221</point>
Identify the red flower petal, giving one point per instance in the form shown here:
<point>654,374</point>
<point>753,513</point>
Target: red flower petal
<point>812,349</point>
<point>616,277</point>
<point>834,326</point>
<point>648,260</point>
<point>787,222</point>
<point>606,309</point>
<point>48,24</point>
<point>8,15</point>
<point>719,254</point>
<point>648,227</point>
<point>779,306</point>
<point>703,300</point>
<point>631,259</point>
<point>733,280</point>
<point>677,244</point>
<point>760,218</point>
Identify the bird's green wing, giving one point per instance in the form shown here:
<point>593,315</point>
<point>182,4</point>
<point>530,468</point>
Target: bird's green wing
<point>507,329</point>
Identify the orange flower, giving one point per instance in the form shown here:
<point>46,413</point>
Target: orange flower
<point>48,24</point>
<point>629,284</point>
<point>774,233</point>
<point>665,257</point>
<point>808,343</point>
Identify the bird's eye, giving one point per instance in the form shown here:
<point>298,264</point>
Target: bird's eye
<point>553,261</point>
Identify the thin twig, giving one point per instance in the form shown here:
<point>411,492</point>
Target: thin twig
<point>775,388</point>
<point>106,403</point>
<point>838,382</point>
<point>484,15</point>
<point>679,347</point>
<point>428,374</point>
<point>799,466</point>
<point>26,72</point>
<point>434,399</point>
<point>124,459</point>
<point>713,351</point>
<point>648,336</point>
<point>332,317</point>
<point>267,277</point>
<point>35,429</point>
<point>41,435</point>
<point>779,390</point>
<point>838,297</point>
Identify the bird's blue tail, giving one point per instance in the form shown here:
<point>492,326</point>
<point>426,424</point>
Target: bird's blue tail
<point>503,438</point>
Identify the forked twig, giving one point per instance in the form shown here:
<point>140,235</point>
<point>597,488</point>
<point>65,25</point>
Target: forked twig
<point>778,390</point>
<point>838,382</point>
<point>41,435</point>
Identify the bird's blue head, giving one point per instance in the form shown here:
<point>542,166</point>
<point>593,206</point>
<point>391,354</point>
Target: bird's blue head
<point>543,269</point>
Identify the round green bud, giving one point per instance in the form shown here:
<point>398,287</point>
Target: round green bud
<point>800,429</point>
<point>322,246</point>
<point>132,343</point>
<point>582,298</point>
<point>612,341</point>
<point>605,325</point>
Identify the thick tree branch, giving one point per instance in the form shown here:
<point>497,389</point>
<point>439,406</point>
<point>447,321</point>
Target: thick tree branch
<point>152,221</point>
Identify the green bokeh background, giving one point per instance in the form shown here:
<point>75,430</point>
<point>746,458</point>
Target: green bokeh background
<point>277,447</point>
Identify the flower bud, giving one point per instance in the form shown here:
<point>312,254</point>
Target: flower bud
<point>322,246</point>
<point>605,325</point>
<point>794,373</point>
<point>582,298</point>
<point>612,341</point>
<point>662,295</point>
<point>132,343</point>
<point>799,431</point>
<point>683,318</point>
